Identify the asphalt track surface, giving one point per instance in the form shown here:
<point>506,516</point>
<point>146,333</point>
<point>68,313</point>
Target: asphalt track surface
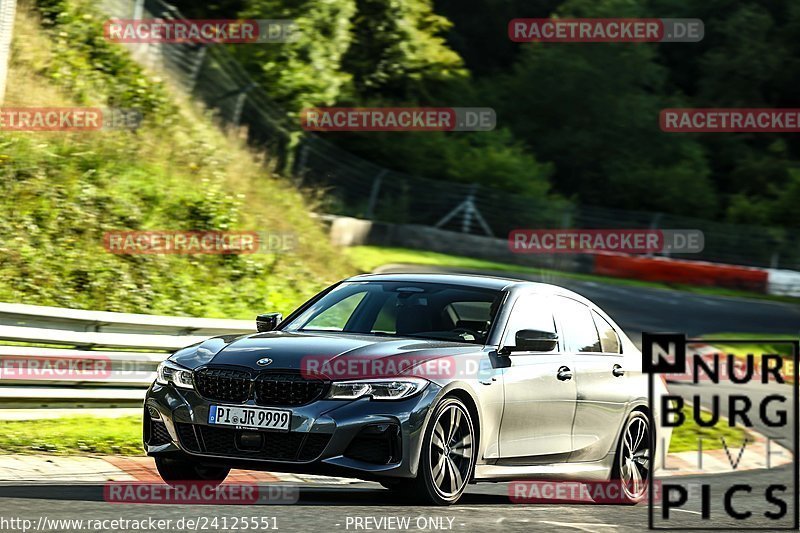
<point>485,507</point>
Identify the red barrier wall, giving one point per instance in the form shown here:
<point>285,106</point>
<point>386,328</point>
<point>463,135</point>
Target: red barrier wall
<point>680,271</point>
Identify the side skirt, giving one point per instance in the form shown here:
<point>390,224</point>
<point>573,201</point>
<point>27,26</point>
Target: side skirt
<point>587,471</point>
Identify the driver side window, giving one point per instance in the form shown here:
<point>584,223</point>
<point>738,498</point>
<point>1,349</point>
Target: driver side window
<point>336,316</point>
<point>530,311</point>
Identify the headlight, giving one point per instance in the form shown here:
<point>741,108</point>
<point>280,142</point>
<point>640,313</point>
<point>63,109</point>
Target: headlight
<point>377,389</point>
<point>169,372</point>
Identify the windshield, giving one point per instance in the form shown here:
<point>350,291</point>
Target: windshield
<point>420,310</point>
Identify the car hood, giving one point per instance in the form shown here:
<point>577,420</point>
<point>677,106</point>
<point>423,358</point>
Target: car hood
<point>297,351</point>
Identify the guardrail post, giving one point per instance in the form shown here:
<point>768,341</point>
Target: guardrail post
<point>654,223</point>
<point>197,66</point>
<point>373,194</point>
<point>138,10</point>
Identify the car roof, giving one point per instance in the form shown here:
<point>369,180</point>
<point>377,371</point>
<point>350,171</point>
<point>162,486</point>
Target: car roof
<point>473,280</point>
<point>500,284</point>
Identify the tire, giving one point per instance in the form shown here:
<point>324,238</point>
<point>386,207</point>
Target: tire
<point>174,471</point>
<point>632,462</point>
<point>447,460</point>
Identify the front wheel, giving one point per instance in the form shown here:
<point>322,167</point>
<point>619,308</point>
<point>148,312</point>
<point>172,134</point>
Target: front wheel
<point>632,464</point>
<point>175,470</point>
<point>448,454</point>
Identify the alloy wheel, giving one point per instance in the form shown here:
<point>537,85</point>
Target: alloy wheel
<point>451,450</point>
<point>634,457</point>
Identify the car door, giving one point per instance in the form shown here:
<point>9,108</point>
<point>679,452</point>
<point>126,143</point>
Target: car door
<point>594,346</point>
<point>539,405</point>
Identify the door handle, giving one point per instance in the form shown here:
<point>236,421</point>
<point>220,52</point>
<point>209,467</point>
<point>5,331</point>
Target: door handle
<point>564,374</point>
<point>617,371</point>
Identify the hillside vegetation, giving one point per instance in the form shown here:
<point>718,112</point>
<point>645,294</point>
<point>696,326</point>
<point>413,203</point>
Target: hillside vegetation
<point>60,192</point>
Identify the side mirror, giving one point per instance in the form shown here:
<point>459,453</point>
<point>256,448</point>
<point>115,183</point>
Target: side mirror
<point>532,340</point>
<point>268,321</point>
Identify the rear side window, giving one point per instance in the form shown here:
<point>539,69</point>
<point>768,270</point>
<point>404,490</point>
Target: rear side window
<point>578,326</point>
<point>609,339</point>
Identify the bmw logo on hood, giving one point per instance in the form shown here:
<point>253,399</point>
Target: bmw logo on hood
<point>264,362</point>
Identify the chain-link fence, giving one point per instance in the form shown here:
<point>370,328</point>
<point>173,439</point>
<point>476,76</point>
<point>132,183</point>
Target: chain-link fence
<point>357,187</point>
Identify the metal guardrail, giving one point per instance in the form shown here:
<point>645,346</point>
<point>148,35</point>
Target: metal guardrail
<point>80,320</point>
<point>102,357</point>
<point>91,339</point>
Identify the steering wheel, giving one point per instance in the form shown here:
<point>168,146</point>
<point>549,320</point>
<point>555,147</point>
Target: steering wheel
<point>475,334</point>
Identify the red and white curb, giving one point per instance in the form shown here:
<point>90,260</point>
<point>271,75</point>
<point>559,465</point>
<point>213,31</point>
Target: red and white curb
<point>754,454</point>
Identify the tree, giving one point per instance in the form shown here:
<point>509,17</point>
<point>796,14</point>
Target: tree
<point>491,158</point>
<point>307,71</point>
<point>593,110</point>
<point>479,32</point>
<point>397,52</point>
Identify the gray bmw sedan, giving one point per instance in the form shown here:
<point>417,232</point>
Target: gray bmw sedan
<point>423,382</point>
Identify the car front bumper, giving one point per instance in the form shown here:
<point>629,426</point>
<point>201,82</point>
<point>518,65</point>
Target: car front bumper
<point>364,438</point>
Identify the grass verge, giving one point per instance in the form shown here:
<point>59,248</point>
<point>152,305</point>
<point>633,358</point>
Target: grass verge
<point>741,350</point>
<point>755,347</point>
<point>685,437</point>
<point>75,435</point>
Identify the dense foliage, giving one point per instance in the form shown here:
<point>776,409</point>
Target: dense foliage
<point>580,120</point>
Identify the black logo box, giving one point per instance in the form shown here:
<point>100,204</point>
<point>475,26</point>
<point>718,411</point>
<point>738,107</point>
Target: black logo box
<point>678,366</point>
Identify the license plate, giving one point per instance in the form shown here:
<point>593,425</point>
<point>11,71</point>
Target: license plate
<point>250,417</point>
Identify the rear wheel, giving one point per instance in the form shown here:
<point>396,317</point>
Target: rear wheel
<point>632,464</point>
<point>448,454</point>
<point>176,470</point>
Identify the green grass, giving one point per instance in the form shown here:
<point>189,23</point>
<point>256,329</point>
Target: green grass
<point>742,350</point>
<point>368,258</point>
<point>685,437</point>
<point>79,435</point>
<point>755,347</point>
